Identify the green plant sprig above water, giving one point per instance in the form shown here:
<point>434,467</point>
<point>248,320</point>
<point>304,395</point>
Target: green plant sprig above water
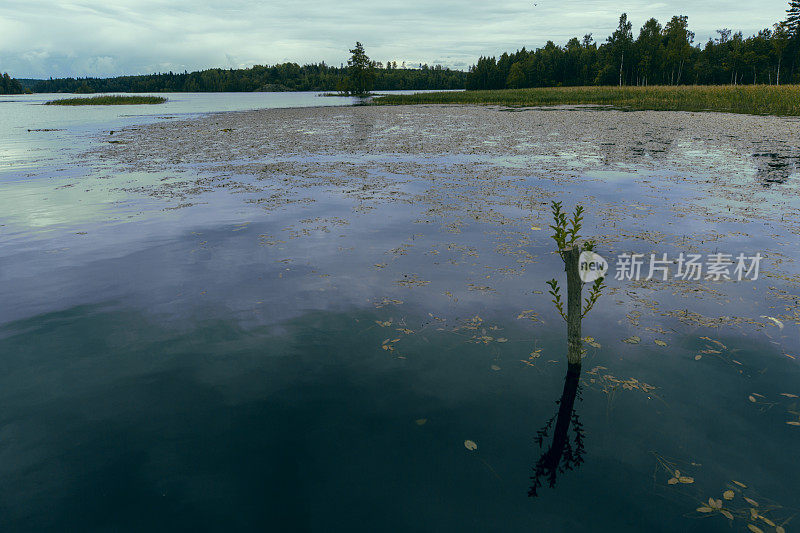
<point>594,295</point>
<point>566,235</point>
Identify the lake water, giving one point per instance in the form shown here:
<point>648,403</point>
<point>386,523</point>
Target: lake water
<point>338,320</point>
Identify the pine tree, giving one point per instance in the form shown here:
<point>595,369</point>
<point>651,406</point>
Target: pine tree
<point>793,17</point>
<point>361,73</point>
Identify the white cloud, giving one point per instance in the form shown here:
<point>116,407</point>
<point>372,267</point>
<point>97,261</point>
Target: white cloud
<point>40,38</point>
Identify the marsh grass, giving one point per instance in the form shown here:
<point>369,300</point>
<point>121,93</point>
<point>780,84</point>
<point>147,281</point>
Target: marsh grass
<point>109,100</point>
<point>747,99</point>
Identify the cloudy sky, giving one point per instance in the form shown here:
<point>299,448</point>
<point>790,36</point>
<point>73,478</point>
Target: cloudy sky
<point>40,38</point>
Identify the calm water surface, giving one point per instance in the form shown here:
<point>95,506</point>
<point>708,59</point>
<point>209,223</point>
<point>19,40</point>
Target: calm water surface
<point>326,367</point>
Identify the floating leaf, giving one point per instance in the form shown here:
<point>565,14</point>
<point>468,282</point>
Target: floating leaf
<point>502,339</point>
<point>495,367</point>
<point>686,479</point>
<point>592,342</point>
<point>793,423</point>
<point>705,509</point>
<point>767,520</point>
<point>789,395</point>
<point>672,481</point>
<point>536,228</point>
<point>740,483</point>
<point>754,529</point>
<point>632,340</point>
<point>726,514</point>
<point>752,398</point>
<point>728,494</point>
<point>660,342</point>
<point>751,502</point>
<point>716,504</point>
<point>779,529</point>
<point>775,320</point>
<point>421,421</point>
<point>698,357</point>
<point>470,445</point>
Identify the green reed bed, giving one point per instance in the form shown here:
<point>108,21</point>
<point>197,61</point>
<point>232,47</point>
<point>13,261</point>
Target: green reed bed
<point>747,99</point>
<point>109,100</point>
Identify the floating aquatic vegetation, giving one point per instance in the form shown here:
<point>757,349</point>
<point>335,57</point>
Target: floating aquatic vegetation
<point>737,503</point>
<point>608,383</point>
<point>529,314</point>
<point>412,280</point>
<point>592,342</point>
<point>387,301</point>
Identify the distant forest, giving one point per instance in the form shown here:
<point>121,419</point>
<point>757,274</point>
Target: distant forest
<point>659,55</point>
<point>283,77</point>
<point>9,85</point>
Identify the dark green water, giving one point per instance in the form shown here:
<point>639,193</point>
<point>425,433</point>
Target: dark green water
<point>222,367</point>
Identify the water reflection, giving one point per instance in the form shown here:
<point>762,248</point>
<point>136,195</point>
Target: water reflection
<point>775,167</point>
<point>566,452</point>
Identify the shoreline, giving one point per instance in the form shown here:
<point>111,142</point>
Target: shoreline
<point>776,100</point>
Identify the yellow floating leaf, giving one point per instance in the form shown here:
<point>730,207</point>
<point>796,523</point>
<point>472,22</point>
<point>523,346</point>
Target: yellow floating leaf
<point>789,395</point>
<point>536,228</point>
<point>740,483</point>
<point>632,340</point>
<point>779,529</point>
<point>793,423</point>
<point>716,504</point>
<point>775,320</point>
<point>502,339</point>
<point>672,481</point>
<point>686,479</point>
<point>752,398</point>
<point>495,367</point>
<point>726,514</point>
<point>751,502</point>
<point>470,445</point>
<point>660,342</point>
<point>767,520</point>
<point>421,421</point>
<point>705,509</point>
<point>728,494</point>
<point>698,357</point>
<point>754,529</point>
<point>753,514</point>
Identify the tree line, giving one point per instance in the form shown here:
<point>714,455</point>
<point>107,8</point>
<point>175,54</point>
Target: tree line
<point>659,55</point>
<point>9,85</point>
<point>282,77</point>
